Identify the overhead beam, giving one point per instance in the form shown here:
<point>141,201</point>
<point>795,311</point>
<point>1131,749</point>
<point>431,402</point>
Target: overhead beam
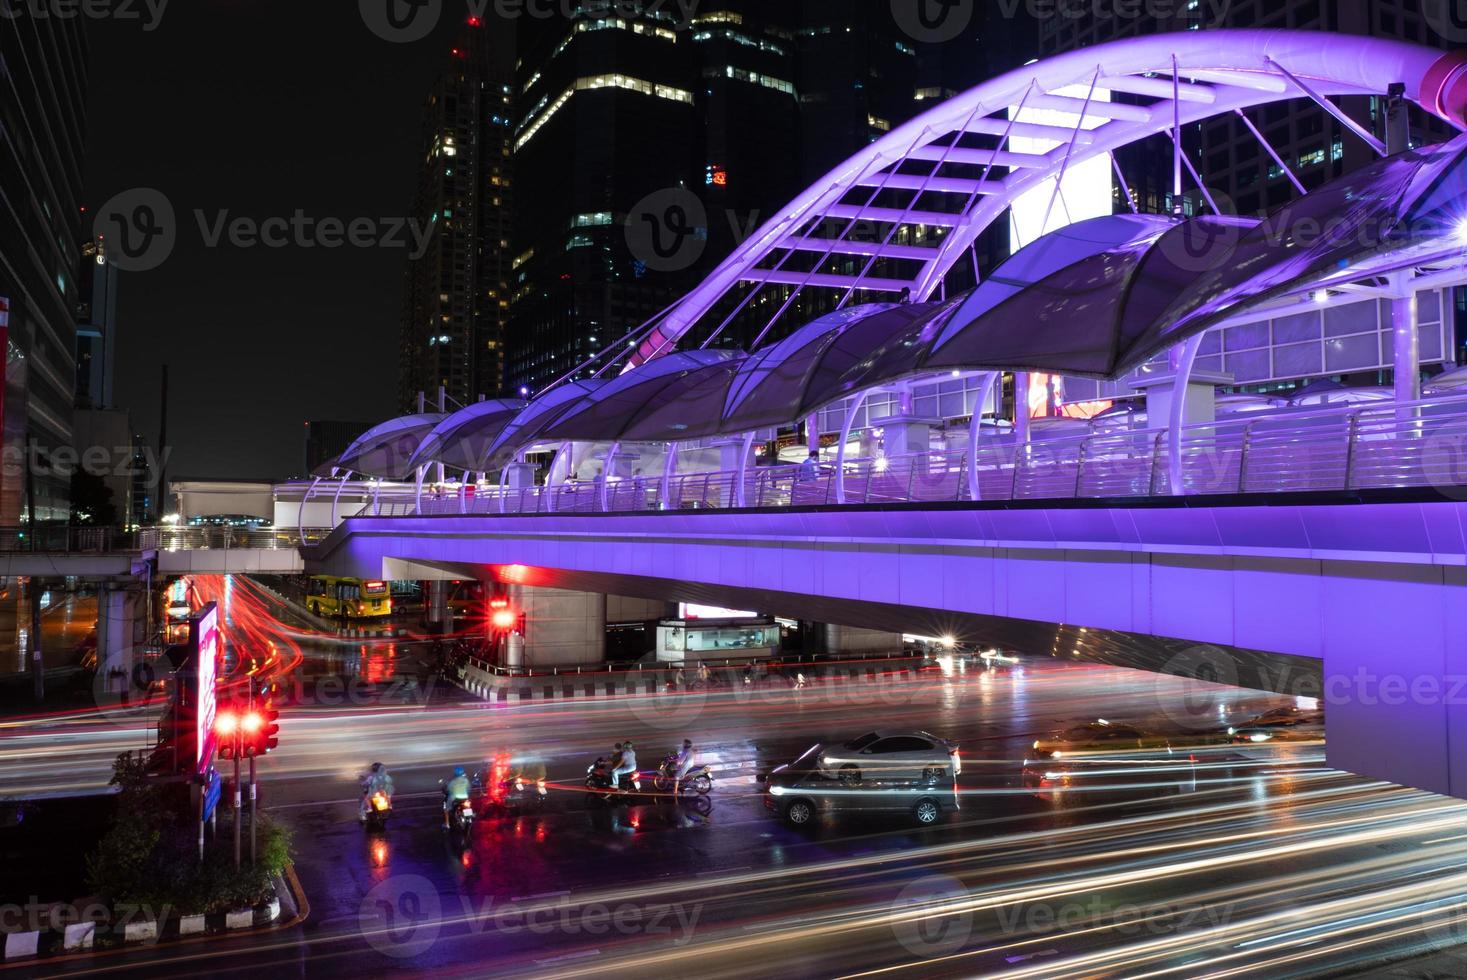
<point>888,250</point>
<point>1103,110</point>
<point>789,277</point>
<point>982,158</point>
<point>894,215</point>
<point>919,182</point>
<point>1160,88</point>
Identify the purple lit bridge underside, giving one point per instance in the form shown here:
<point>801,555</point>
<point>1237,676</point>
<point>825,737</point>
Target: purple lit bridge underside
<point>1267,594</point>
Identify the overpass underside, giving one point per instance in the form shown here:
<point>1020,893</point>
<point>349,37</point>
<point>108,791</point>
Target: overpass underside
<point>1355,597</point>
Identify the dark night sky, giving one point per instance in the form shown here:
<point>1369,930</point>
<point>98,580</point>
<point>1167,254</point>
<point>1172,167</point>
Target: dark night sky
<point>259,107</point>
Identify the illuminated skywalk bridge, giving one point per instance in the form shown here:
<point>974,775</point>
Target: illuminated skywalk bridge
<point>1325,543</point>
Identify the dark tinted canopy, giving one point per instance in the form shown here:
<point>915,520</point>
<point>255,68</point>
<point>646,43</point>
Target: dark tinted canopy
<point>634,406</point>
<point>528,427</point>
<point>792,378</point>
<point>386,451</point>
<point>462,440</point>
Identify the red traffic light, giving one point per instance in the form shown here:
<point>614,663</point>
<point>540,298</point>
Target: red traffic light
<point>226,729</point>
<point>261,729</point>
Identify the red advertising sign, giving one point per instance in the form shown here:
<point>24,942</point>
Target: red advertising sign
<point>204,644</point>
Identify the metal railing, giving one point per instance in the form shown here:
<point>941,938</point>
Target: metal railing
<point>65,539</point>
<point>1379,445</point>
<point>174,538</point>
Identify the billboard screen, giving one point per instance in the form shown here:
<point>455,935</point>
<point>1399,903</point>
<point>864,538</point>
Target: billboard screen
<point>1087,190</point>
<point>690,610</point>
<point>204,640</point>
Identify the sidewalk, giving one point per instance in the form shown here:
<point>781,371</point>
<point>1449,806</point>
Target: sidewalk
<point>633,683</point>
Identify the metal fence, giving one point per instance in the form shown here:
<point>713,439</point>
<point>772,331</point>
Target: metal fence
<point>1421,444</point>
<point>173,538</point>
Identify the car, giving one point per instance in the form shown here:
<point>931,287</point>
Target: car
<point>886,756</point>
<point>1106,756</point>
<point>802,790</point>
<point>1287,724</point>
<point>1099,736</point>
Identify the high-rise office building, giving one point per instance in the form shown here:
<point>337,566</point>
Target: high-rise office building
<point>328,439</point>
<point>456,302</point>
<point>640,133</point>
<point>607,119</point>
<point>96,327</point>
<point>43,83</point>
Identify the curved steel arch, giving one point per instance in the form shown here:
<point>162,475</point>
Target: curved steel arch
<point>1191,76</point>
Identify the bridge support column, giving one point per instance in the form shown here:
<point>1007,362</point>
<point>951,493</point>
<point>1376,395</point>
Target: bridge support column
<point>562,628</point>
<point>120,616</point>
<point>435,606</point>
<point>518,476</point>
<point>826,638</point>
<point>905,434</point>
<point>1395,677</point>
<point>1178,398</point>
<point>1405,345</point>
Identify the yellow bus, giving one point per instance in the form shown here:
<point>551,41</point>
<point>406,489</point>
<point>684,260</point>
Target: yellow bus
<point>332,598</point>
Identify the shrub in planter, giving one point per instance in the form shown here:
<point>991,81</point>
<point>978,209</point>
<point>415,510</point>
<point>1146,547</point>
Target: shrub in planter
<point>150,859</point>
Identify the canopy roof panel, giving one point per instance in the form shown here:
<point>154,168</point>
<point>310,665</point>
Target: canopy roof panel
<point>960,165</point>
<point>528,427</point>
<point>386,451</point>
<point>462,440</point>
<point>628,408</point>
<point>792,378</point>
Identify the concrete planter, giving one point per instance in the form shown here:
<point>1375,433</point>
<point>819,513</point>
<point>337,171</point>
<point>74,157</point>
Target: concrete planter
<point>79,935</point>
<point>19,945</point>
<point>192,925</point>
<point>239,919</point>
<point>140,932</point>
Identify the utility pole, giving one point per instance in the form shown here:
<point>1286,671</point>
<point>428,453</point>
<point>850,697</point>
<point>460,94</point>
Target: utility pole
<point>163,448</point>
<point>253,794</point>
<point>38,671</point>
<point>38,668</point>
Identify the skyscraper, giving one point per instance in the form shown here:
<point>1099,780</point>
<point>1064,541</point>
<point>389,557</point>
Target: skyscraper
<point>43,69</point>
<point>96,327</point>
<point>607,120</point>
<point>650,148</point>
<point>456,302</point>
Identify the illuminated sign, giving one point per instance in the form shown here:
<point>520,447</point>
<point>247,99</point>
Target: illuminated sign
<point>1086,190</point>
<point>717,176</point>
<point>689,610</point>
<point>204,644</point>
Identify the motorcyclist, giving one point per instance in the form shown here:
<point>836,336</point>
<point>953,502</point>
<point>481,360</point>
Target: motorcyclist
<point>454,791</point>
<point>377,780</point>
<point>684,762</point>
<point>626,766</point>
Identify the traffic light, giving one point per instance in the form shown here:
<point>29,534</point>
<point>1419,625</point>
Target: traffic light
<point>226,728</point>
<point>267,728</point>
<point>503,617</point>
<point>250,724</point>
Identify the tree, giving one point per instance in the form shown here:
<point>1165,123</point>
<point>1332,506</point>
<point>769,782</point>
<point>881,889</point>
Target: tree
<point>91,500</point>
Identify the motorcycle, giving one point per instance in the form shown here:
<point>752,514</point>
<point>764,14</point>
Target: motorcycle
<point>699,779</point>
<point>461,815</point>
<point>379,808</point>
<point>519,793</point>
<point>598,779</point>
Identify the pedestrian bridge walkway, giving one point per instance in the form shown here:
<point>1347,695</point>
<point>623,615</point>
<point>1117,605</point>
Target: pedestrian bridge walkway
<point>1377,445</point>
